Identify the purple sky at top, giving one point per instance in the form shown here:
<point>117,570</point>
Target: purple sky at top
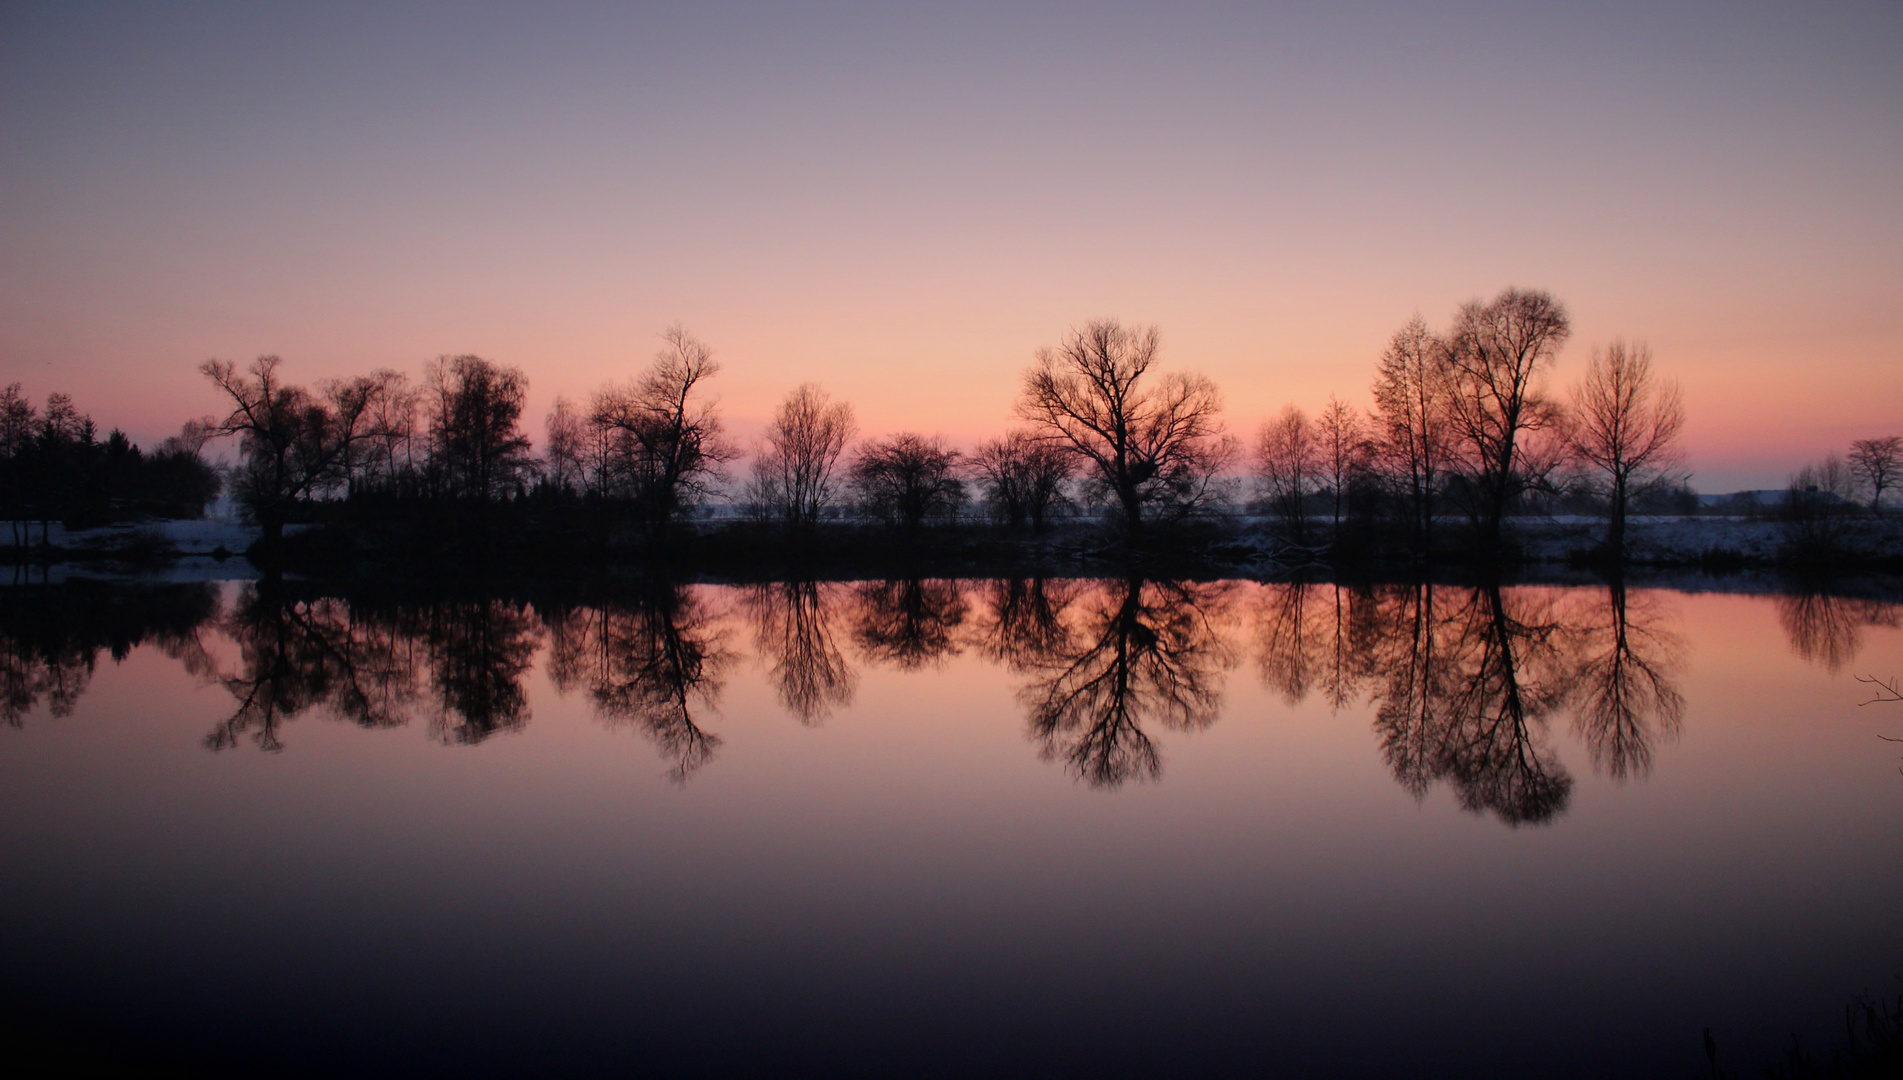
<point>904,201</point>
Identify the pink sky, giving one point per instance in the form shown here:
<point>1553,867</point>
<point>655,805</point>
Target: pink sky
<point>903,204</point>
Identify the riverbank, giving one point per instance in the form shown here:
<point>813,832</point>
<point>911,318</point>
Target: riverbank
<point>514,544</point>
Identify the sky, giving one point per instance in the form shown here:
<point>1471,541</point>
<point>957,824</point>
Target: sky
<point>903,202</point>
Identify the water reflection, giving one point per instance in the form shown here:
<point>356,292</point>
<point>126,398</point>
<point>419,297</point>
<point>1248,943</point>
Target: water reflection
<point>1463,684</point>
<point>366,662</point>
<point>1464,681</point>
<point>1628,699</point>
<point>1473,676</point>
<point>794,635</point>
<point>647,662</point>
<point>478,654</point>
<point>1022,623</point>
<point>297,653</point>
<point>908,624</point>
<point>51,636</point>
<point>1827,627</point>
<point>1139,652</point>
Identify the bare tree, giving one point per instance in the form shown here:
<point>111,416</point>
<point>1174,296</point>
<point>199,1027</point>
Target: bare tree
<point>1148,444</point>
<point>793,473</point>
<point>908,478</point>
<point>477,449</point>
<point>1410,398</point>
<point>1493,360</point>
<point>361,407</point>
<point>390,459</point>
<point>671,429</point>
<point>1877,464</point>
<point>1342,443</point>
<point>564,458</point>
<point>291,443</point>
<point>1817,506</point>
<point>1023,476</point>
<point>1289,464</point>
<point>1624,430</point>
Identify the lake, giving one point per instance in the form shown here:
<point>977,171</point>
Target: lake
<point>1103,827</point>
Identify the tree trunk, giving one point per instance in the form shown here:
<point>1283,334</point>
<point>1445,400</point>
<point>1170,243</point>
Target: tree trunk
<point>1132,510</point>
<point>1615,535</point>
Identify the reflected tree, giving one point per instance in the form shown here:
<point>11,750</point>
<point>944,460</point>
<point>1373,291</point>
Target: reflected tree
<point>648,664</point>
<point>793,633</point>
<point>1139,652</point>
<point>1627,696</point>
<point>1827,628</point>
<point>1316,637</point>
<point>1021,622</point>
<point>1290,640</point>
<point>297,653</point>
<point>51,636</point>
<point>1467,702</point>
<point>908,624</point>
<point>478,653</point>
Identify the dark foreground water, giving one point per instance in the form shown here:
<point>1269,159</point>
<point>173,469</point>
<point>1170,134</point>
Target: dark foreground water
<point>1081,827</point>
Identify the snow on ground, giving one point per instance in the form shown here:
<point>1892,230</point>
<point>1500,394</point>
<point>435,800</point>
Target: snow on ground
<point>1679,539</point>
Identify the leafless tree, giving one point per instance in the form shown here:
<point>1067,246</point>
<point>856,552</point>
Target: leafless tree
<point>1623,430</point>
<point>1817,507</point>
<point>1289,463</point>
<point>477,449</point>
<point>191,438</point>
<point>290,441</point>
<point>908,478</point>
<point>1877,464</point>
<point>1342,442</point>
<point>1148,442</point>
<point>1494,358</point>
<point>1410,398</point>
<point>390,462</point>
<point>1023,476</point>
<point>564,459</point>
<point>672,429</point>
<point>793,474</point>
<point>363,408</point>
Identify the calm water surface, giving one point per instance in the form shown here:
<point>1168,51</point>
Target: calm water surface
<point>1092,827</point>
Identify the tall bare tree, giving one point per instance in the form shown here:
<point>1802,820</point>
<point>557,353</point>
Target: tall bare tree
<point>1410,398</point>
<point>1289,463</point>
<point>1623,429</point>
<point>1877,463</point>
<point>793,474</point>
<point>1150,443</point>
<point>564,459</point>
<point>1023,476</point>
<point>1341,440</point>
<point>1494,358</point>
<point>672,428</point>
<point>477,449</point>
<point>364,407</point>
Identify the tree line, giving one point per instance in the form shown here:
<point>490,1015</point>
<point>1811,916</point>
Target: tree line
<point>55,467</point>
<point>1462,431</point>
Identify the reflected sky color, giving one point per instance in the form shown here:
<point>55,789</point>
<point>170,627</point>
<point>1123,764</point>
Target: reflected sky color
<point>873,196</point>
<point>906,858</point>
